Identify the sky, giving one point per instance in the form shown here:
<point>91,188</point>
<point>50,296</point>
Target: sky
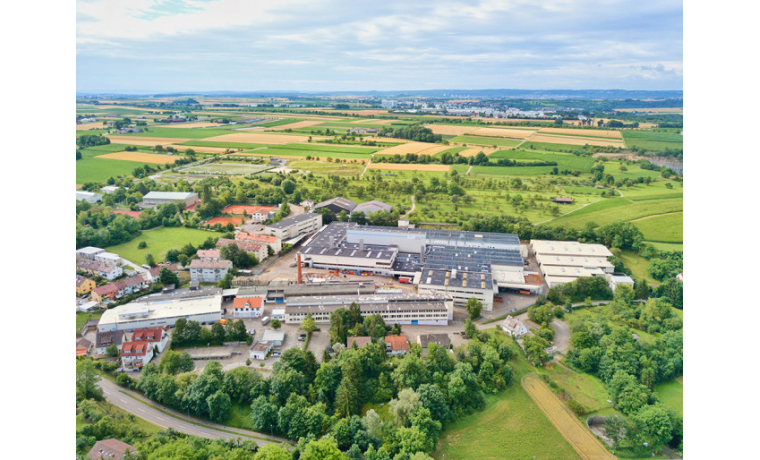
<point>153,46</point>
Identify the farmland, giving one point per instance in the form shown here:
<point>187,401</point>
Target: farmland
<point>500,142</point>
<point>139,157</point>
<point>656,141</point>
<point>159,241</point>
<point>226,168</point>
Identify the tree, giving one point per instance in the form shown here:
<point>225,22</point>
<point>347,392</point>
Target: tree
<point>149,260</point>
<point>271,451</point>
<point>276,324</point>
<point>470,329</point>
<point>79,155</point>
<point>186,363</point>
<point>167,277</point>
<point>535,347</point>
<point>112,351</point>
<point>474,306</point>
<point>142,245</point>
<point>219,406</point>
<point>656,426</point>
<point>309,325</point>
<point>324,449</point>
<point>401,408</point>
<point>614,429</point>
<point>541,314</point>
<point>87,379</point>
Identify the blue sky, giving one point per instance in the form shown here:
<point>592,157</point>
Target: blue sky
<point>144,46</point>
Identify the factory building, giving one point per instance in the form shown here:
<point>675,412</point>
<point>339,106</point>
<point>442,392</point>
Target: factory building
<point>460,264</point>
<point>153,199</point>
<point>292,227</point>
<point>565,261</point>
<point>164,309</point>
<point>422,308</point>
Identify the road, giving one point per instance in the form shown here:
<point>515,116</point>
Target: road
<point>411,210</point>
<point>168,418</point>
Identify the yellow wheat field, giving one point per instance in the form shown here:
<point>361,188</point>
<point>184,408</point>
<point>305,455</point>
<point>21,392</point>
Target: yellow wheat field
<point>151,141</point>
<point>409,167</point>
<point>94,124</point>
<point>575,140</point>
<point>422,148</point>
<point>449,130</point>
<point>581,132</point>
<point>576,433</point>
<point>258,138</point>
<point>140,157</point>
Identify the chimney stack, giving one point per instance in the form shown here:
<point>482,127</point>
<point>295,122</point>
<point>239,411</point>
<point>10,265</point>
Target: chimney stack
<point>300,277</point>
<point>361,244</point>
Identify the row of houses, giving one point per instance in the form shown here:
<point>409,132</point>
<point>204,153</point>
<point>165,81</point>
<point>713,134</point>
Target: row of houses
<point>399,344</point>
<point>120,288</point>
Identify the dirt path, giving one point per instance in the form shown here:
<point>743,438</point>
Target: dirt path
<point>583,441</point>
<point>411,210</point>
<point>365,168</point>
<point>656,215</point>
<point>468,170</point>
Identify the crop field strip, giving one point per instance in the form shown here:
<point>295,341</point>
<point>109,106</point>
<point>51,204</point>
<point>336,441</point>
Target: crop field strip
<point>583,132</point>
<point>226,169</point>
<point>579,436</point>
<point>420,148</point>
<point>151,141</point>
<point>488,141</point>
<point>152,158</point>
<point>256,138</point>
<point>409,167</point>
<point>576,140</point>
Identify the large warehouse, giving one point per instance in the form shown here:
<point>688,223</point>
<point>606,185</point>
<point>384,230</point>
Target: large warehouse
<point>460,264</point>
<point>292,227</point>
<point>565,261</point>
<point>158,310</point>
<point>423,308</point>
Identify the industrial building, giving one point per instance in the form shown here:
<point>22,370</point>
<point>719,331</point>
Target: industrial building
<point>295,226</point>
<point>421,308</point>
<point>565,261</point>
<point>153,199</point>
<point>163,309</point>
<point>372,206</point>
<point>459,263</point>
<point>336,205</point>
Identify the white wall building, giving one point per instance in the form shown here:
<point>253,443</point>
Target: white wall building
<point>89,197</point>
<point>209,271</point>
<point>247,307</point>
<point>153,199</point>
<point>135,355</point>
<point>615,280</point>
<point>294,226</point>
<point>158,310</point>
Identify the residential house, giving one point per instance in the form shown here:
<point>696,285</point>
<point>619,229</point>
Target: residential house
<point>257,249</point>
<point>152,275</point>
<point>111,449</point>
<point>209,254</point>
<point>514,327</point>
<point>562,200</point>
<point>396,345</point>
<point>135,355</point>
<point>100,269</point>
<point>360,341</point>
<point>271,241</point>
<point>247,307</point>
<point>209,271</point>
<point>442,340</point>
<point>84,347</point>
<point>157,337</point>
<point>119,289</point>
<point>84,285</point>
<point>307,204</point>
<point>104,340</point>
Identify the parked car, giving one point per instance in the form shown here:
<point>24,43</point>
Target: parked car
<point>252,332</point>
<point>293,265</point>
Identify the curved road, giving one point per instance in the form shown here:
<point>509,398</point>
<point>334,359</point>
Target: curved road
<point>168,418</point>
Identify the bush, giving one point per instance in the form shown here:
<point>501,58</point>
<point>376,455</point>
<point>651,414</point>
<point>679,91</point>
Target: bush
<point>576,407</point>
<point>124,380</point>
<point>109,368</point>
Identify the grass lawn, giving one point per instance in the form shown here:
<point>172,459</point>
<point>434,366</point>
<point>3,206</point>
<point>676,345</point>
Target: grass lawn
<point>619,210</point>
<point>320,167</point>
<point>666,228</point>
<point>638,266</point>
<point>189,133</point>
<point>584,388</point>
<point>564,161</point>
<point>100,169</point>
<point>82,318</point>
<point>667,247</point>
<point>653,141</point>
<point>159,241</point>
<point>511,426</point>
<point>327,148</point>
<point>671,394</point>
<point>240,417</point>
<point>223,145</point>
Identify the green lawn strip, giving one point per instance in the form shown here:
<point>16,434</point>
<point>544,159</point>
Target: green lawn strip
<point>83,317</point>
<point>224,145</point>
<point>450,151</point>
<point>159,241</point>
<point>284,121</point>
<point>580,134</point>
<point>601,213</point>
<point>191,133</point>
<point>638,266</point>
<point>564,161</point>
<point>653,140</point>
<point>327,148</point>
<point>480,140</point>
<point>586,389</point>
<point>304,153</point>
<point>201,425</point>
<point>551,147</point>
<point>100,169</point>
<point>111,408</point>
<point>666,247</point>
<point>671,394</point>
<point>664,228</point>
<point>320,167</point>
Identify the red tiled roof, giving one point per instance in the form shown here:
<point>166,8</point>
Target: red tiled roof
<point>209,253</point>
<point>148,335</point>
<point>119,285</point>
<point>248,246</point>
<point>252,302</point>
<point>255,237</point>
<point>360,341</point>
<point>220,264</point>
<point>134,348</point>
<point>397,342</point>
<point>111,449</point>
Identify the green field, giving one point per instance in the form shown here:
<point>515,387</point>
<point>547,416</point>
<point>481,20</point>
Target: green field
<point>224,145</point>
<point>637,265</point>
<point>564,161</point>
<point>625,210</point>
<point>551,147</point>
<point>191,133</point>
<point>82,319</point>
<point>653,141</point>
<point>100,169</point>
<point>666,228</point>
<point>159,241</point>
<point>321,167</point>
<point>327,148</point>
<point>227,168</point>
<point>671,394</point>
<point>480,140</point>
<point>305,153</point>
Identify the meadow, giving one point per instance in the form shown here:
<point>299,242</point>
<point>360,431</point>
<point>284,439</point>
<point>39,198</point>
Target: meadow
<point>656,141</point>
<point>665,228</point>
<point>498,141</point>
<point>159,241</point>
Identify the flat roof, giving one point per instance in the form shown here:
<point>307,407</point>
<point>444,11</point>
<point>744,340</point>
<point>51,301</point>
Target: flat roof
<point>569,248</point>
<point>363,287</point>
<point>575,272</point>
<point>468,280</point>
<point>293,220</point>
<point>273,335</point>
<point>156,309</point>
<point>570,261</point>
<point>371,308</point>
<point>169,195</point>
<point>369,299</point>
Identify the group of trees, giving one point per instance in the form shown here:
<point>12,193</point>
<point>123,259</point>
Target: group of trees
<point>416,133</point>
<point>98,225</point>
<point>349,322</point>
<point>188,333</point>
<point>91,140</point>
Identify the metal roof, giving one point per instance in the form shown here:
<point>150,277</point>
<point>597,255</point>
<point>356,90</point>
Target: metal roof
<point>169,195</point>
<point>293,220</point>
